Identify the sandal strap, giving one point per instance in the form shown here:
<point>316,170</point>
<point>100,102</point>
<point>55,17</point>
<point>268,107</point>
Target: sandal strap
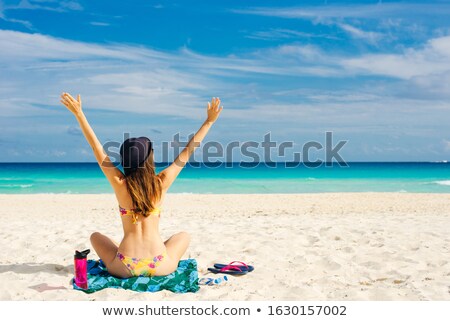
<point>241,263</point>
<point>230,267</point>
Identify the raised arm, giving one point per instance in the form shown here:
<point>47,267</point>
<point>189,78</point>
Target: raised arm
<point>170,173</point>
<point>111,172</point>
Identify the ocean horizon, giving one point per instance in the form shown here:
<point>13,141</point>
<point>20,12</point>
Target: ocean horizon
<point>231,178</point>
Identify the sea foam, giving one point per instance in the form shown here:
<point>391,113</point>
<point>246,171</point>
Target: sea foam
<point>16,185</point>
<point>447,182</point>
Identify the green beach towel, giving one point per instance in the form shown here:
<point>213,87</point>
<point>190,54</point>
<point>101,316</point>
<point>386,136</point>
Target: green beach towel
<point>184,279</point>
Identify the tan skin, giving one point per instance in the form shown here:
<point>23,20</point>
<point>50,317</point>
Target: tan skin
<point>141,240</point>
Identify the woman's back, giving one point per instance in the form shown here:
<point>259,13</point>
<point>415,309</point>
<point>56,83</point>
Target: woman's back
<point>141,233</point>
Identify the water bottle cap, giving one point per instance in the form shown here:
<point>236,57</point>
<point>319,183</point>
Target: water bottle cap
<point>82,255</point>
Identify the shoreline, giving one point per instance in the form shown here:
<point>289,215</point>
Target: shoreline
<point>314,246</point>
<point>237,194</point>
<point>401,177</point>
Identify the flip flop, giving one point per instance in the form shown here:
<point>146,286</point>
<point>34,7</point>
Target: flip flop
<point>242,266</point>
<point>229,269</point>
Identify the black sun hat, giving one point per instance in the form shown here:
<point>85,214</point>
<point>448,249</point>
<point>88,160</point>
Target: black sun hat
<point>133,153</point>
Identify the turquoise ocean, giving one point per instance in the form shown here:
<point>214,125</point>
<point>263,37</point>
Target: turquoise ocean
<point>76,178</point>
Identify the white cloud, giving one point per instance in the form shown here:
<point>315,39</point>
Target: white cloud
<point>433,58</point>
<point>71,5</point>
<point>386,19</point>
<point>307,52</point>
<point>49,5</point>
<point>280,33</point>
<point>368,36</point>
<point>112,77</point>
<point>100,24</point>
<point>46,52</point>
<point>145,80</point>
<point>379,10</point>
<point>25,23</point>
<point>37,47</point>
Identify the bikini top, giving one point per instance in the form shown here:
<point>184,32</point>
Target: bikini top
<point>156,211</point>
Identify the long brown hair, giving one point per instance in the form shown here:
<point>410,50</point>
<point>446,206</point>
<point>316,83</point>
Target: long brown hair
<point>145,187</point>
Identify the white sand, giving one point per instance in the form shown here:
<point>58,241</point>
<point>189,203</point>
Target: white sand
<point>368,246</point>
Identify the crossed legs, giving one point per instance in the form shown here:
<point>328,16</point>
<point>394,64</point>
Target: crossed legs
<point>106,249</point>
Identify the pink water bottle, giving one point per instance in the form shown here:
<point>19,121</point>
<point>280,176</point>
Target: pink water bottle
<point>80,259</point>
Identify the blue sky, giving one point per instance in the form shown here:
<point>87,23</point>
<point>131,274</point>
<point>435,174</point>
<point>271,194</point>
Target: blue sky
<point>375,73</point>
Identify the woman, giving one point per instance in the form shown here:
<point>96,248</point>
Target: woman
<point>140,193</point>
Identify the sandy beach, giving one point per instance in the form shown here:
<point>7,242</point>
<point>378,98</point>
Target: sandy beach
<point>358,246</point>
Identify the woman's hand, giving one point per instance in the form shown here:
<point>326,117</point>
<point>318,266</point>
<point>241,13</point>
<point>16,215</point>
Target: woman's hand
<point>213,110</point>
<point>73,105</point>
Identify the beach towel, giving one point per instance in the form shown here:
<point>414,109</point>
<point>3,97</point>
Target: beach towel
<point>184,279</point>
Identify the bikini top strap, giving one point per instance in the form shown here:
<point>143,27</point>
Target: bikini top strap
<point>134,215</point>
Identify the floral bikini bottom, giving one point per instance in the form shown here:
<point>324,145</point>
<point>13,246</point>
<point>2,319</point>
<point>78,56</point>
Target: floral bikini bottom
<point>142,267</point>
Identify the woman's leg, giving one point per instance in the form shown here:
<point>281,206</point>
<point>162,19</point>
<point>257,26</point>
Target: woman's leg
<point>177,245</point>
<point>107,249</point>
